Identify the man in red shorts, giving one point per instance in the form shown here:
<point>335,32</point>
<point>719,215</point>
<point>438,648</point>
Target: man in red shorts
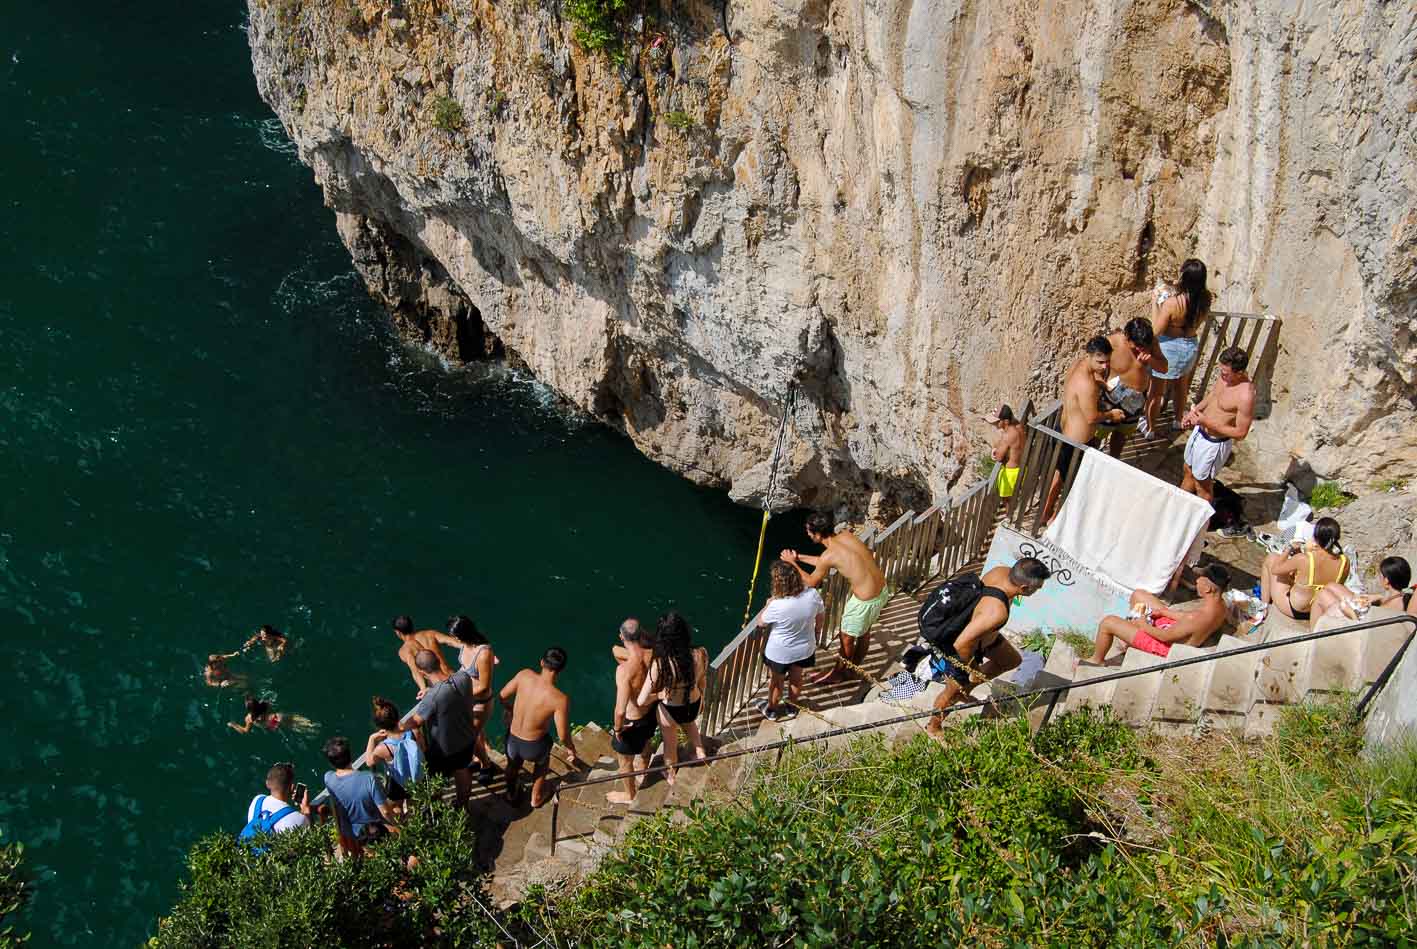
<point>1153,626</point>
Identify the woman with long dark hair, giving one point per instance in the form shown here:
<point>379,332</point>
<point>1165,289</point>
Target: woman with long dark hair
<point>1394,592</point>
<point>677,673</point>
<point>1293,581</point>
<point>476,658</point>
<point>1177,312</point>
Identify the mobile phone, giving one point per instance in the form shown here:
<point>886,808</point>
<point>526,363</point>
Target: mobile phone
<point>300,791</point>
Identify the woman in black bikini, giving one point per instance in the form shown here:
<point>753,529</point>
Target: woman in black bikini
<point>475,656</point>
<point>677,673</point>
<point>1292,581</point>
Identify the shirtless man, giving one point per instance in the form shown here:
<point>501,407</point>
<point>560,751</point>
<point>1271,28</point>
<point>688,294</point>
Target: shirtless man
<point>981,640</point>
<point>1222,418</point>
<point>1135,354</point>
<point>634,724</point>
<point>1153,626</point>
<point>869,593</point>
<point>413,643</point>
<point>1008,450</point>
<point>1081,391</point>
<point>537,703</point>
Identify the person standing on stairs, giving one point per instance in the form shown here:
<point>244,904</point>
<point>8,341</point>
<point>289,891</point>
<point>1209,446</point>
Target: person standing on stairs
<point>476,658</point>
<point>793,615</point>
<point>1222,418</point>
<point>634,721</point>
<point>1292,582</point>
<point>980,638</point>
<point>1007,451</point>
<point>451,739</point>
<point>1135,355</point>
<point>532,701</point>
<point>411,642</point>
<point>1081,391</point>
<point>1176,316</point>
<point>869,592</point>
<point>677,676</point>
<point>1153,627</point>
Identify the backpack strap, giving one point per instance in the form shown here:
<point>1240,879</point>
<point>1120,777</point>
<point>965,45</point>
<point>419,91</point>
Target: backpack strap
<point>269,823</point>
<point>997,594</point>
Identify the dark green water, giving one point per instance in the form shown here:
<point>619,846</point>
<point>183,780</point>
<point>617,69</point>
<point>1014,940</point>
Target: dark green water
<point>207,426</point>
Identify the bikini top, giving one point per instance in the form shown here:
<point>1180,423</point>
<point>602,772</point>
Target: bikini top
<point>470,667</point>
<point>678,694</point>
<point>1342,567</point>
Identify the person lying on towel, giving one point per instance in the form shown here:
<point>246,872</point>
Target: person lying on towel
<point>1153,626</point>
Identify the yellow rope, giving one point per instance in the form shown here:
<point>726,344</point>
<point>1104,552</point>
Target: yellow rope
<point>757,561</point>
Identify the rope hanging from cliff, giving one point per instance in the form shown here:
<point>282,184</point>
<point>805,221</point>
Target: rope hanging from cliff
<point>778,448</point>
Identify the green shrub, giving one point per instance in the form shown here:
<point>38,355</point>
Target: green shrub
<point>679,120</point>
<point>1390,485</point>
<point>297,895</point>
<point>15,891</point>
<point>1079,642</point>
<point>984,465</point>
<point>601,24</point>
<point>447,114</point>
<point>1329,494</point>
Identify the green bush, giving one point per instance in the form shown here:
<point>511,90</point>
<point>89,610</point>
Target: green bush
<point>680,121</point>
<point>447,114</point>
<point>15,890</point>
<point>984,465</point>
<point>1081,836</point>
<point>601,24</point>
<point>1329,494</point>
<point>295,894</point>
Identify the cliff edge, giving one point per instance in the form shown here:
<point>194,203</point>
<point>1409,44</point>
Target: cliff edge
<point>911,209</point>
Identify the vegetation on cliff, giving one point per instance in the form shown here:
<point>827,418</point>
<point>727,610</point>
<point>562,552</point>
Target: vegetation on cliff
<point>15,890</point>
<point>1085,834</point>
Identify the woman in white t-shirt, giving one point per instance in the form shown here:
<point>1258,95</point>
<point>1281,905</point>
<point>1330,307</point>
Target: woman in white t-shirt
<point>794,615</point>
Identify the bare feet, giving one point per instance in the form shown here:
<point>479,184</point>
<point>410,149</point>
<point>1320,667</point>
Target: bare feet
<point>700,753</point>
<point>535,803</point>
<point>669,776</point>
<point>620,797</point>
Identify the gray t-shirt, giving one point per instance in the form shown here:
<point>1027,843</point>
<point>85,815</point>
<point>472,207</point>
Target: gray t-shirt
<point>444,708</point>
<point>794,626</point>
<point>357,798</point>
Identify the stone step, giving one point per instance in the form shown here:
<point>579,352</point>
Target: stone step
<point>1282,675</point>
<point>1080,695</point>
<point>1336,663</point>
<point>1230,692</point>
<point>1133,699</point>
<point>1381,644</point>
<point>1181,693</point>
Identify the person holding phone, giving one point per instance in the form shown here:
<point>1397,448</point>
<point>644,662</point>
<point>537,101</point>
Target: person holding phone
<point>284,806</point>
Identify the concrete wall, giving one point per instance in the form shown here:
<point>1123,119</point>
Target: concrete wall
<point>1392,718</point>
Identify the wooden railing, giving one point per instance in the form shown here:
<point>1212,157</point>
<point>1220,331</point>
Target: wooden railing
<point>1256,334</point>
<point>912,549</point>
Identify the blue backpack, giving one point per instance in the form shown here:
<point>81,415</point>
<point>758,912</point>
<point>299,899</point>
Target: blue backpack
<point>407,764</point>
<point>264,822</point>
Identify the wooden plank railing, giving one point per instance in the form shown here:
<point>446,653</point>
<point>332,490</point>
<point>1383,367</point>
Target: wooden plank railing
<point>1256,334</point>
<point>909,551</point>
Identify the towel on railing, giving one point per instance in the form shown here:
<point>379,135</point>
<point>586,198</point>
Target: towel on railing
<point>1125,525</point>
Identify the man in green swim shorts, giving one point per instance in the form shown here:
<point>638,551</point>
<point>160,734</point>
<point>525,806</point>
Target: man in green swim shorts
<point>869,593</point>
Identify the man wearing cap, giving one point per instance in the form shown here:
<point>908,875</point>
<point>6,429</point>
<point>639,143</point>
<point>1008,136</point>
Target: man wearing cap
<point>1008,449</point>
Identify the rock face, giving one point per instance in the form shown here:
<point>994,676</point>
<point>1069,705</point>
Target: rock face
<point>911,210</point>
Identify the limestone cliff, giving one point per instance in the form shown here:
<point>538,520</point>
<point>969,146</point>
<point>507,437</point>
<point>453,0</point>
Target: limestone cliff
<point>913,208</point>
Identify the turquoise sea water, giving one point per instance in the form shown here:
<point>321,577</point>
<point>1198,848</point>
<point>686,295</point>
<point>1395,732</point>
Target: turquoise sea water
<point>208,426</point>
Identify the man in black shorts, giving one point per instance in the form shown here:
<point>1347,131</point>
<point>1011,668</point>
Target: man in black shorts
<point>634,725</point>
<point>444,709</point>
<point>981,639</point>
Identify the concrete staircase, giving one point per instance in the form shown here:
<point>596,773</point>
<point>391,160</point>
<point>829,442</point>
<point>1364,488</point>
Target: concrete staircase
<point>1244,693</point>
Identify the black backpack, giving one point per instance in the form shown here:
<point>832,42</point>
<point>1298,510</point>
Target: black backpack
<point>948,610</point>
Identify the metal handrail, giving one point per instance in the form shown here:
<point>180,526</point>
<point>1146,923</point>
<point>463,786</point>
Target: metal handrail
<point>1359,710</point>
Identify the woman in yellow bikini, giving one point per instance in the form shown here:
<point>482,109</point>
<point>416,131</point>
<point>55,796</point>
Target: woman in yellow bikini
<point>1292,581</point>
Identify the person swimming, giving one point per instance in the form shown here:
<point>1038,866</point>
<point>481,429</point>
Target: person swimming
<point>271,638</point>
<point>260,716</point>
<point>216,674</point>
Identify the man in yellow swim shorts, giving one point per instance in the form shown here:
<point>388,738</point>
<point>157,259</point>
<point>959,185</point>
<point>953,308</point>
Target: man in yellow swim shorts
<point>869,592</point>
<point>1008,449</point>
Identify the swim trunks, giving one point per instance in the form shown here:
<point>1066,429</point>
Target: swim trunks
<point>1119,395</point>
<point>533,751</point>
<point>1180,353</point>
<point>1008,481</point>
<point>636,733</point>
<point>1206,454</point>
<point>445,765</point>
<point>1149,643</point>
<point>860,615</point>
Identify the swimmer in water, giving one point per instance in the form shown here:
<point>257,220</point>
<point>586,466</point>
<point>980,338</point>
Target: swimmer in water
<point>260,715</point>
<point>270,637</point>
<point>216,674</point>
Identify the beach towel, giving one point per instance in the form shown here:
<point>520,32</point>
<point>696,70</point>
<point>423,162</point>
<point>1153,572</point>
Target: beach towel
<point>1126,526</point>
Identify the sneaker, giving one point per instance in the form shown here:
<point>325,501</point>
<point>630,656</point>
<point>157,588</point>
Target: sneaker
<point>762,706</point>
<point>1235,530</point>
<point>780,713</point>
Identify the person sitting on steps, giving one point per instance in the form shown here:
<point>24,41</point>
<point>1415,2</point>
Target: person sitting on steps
<point>869,592</point>
<point>981,639</point>
<point>1153,626</point>
<point>1394,579</point>
<point>1293,581</point>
